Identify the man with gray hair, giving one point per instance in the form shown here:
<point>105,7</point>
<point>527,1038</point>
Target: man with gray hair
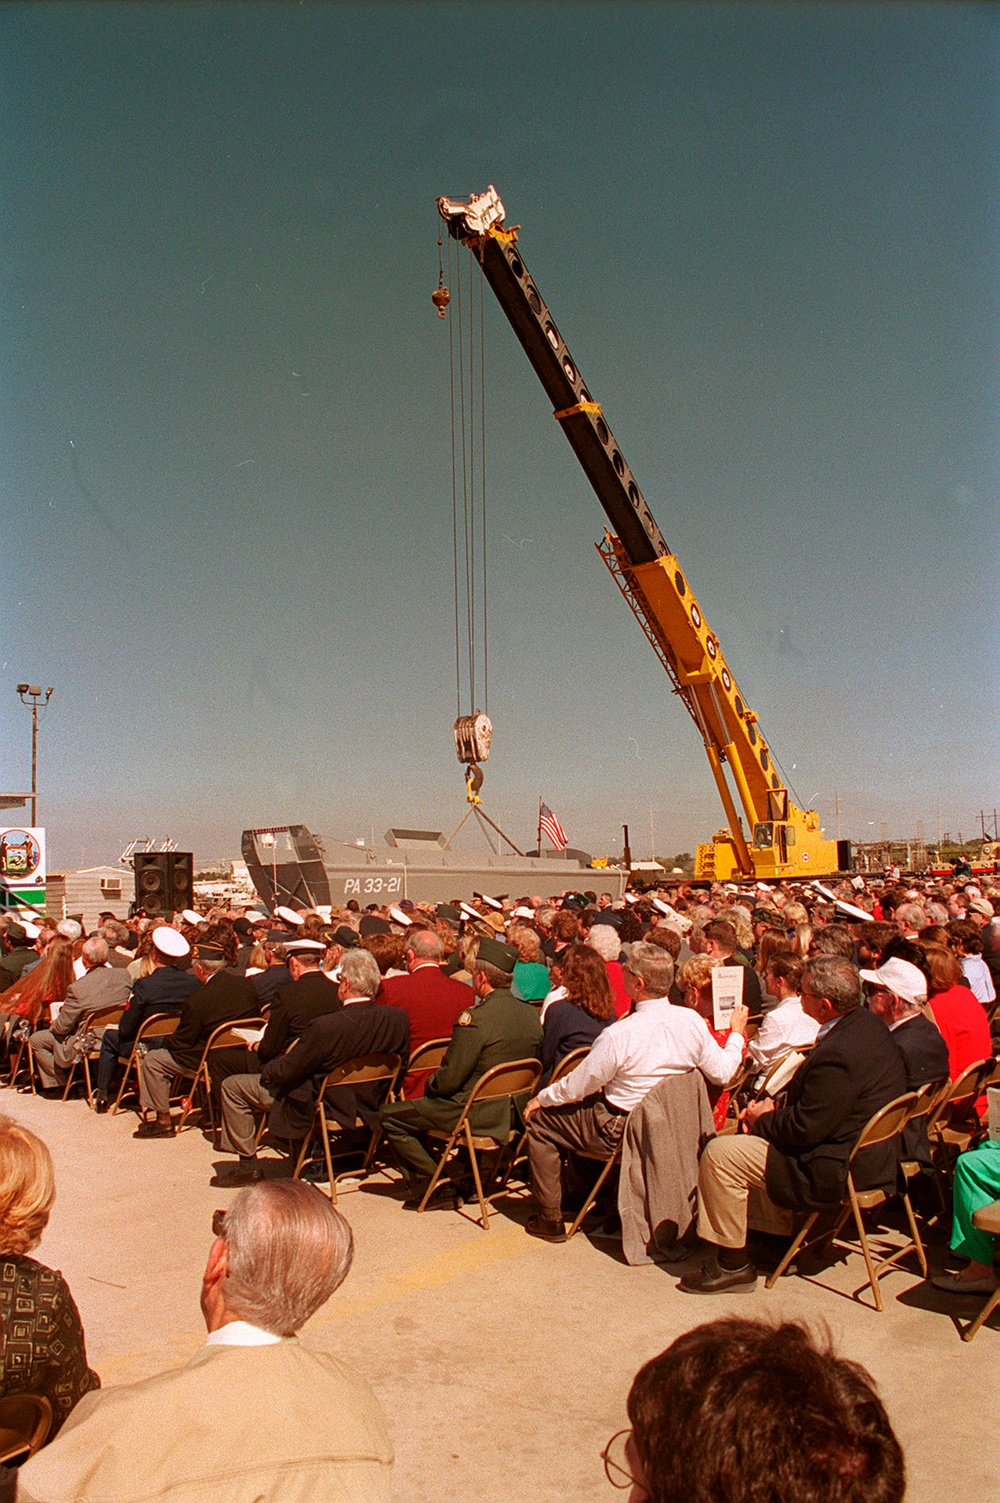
<point>586,1111</point>
<point>431,1000</point>
<point>285,1089</point>
<point>254,1415</point>
<point>100,986</point>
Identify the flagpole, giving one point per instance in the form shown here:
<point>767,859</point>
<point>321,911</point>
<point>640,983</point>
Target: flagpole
<point>539,826</point>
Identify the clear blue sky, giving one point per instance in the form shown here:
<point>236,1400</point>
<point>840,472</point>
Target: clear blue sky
<point>768,236</point>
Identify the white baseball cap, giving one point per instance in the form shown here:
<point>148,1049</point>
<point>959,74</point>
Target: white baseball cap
<point>900,977</point>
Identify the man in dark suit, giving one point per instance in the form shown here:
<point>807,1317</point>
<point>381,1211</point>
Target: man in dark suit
<point>222,996</point>
<point>285,1089</point>
<point>796,1155</point>
<point>166,989</point>
<point>309,994</point>
<point>431,1000</point>
<point>897,993</point>
<point>100,986</point>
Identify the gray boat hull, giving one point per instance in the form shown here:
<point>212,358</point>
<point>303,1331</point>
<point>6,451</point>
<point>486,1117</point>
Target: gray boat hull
<point>289,865</point>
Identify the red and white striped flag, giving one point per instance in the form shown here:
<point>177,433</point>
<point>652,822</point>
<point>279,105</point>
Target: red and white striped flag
<point>550,826</point>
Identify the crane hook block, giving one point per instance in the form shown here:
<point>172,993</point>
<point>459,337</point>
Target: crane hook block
<point>473,734</point>
<point>441,297</point>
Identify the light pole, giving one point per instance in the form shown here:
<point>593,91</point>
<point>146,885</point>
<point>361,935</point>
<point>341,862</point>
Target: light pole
<point>33,693</point>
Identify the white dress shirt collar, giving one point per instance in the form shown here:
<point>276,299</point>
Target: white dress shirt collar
<point>241,1333</point>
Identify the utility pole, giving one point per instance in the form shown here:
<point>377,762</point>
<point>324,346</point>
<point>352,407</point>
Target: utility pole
<point>33,693</point>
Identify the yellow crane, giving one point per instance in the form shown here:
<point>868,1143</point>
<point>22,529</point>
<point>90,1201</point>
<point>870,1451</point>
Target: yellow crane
<point>783,840</point>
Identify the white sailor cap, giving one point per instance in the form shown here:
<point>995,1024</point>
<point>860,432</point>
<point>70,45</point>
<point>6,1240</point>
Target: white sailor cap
<point>290,916</point>
<point>190,917</point>
<point>170,943</point>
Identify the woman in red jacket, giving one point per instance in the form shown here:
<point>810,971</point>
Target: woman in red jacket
<point>960,1017</point>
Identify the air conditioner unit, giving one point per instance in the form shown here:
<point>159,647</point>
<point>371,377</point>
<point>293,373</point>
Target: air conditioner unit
<point>111,886</point>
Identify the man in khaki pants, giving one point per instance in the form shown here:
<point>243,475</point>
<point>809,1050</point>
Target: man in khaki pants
<point>795,1156</point>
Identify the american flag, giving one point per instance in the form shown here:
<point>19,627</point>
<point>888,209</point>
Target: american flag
<point>548,824</point>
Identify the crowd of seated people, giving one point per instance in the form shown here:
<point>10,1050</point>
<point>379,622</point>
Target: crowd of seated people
<point>709,1416</point>
<point>888,988</point>
<point>633,982</point>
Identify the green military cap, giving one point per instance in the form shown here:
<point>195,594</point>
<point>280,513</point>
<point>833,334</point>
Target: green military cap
<point>450,912</point>
<point>494,953</point>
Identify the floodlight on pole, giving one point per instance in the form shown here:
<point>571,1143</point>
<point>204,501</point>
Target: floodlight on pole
<point>32,693</point>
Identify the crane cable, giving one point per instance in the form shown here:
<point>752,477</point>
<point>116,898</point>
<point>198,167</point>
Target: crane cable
<point>466,369</point>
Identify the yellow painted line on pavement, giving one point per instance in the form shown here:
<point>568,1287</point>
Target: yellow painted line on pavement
<point>496,1246</point>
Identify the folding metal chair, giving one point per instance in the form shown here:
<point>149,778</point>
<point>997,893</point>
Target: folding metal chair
<point>23,1052</point>
<point>103,1017</point>
<point>987,1219</point>
<point>953,1125</point>
<point>563,1067</point>
<point>427,1056</point>
<point>366,1070</point>
<point>515,1078</point>
<point>595,1189</point>
<point>25,1421</point>
<point>883,1126</point>
<point>223,1037</point>
<point>157,1025</point>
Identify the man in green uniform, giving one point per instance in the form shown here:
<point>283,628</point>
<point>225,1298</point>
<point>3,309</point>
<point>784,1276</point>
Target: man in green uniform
<point>498,1028</point>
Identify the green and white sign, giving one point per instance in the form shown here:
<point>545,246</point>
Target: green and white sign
<point>22,867</point>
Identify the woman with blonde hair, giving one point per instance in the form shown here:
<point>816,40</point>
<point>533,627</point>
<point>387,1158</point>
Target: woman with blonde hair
<point>531,975</point>
<point>42,1349</point>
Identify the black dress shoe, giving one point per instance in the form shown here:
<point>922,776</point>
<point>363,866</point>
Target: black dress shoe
<point>445,1197</point>
<point>712,1278</point>
<point>154,1130</point>
<point>238,1175</point>
<point>549,1231</point>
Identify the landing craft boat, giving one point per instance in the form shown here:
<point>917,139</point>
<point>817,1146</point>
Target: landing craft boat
<point>289,864</point>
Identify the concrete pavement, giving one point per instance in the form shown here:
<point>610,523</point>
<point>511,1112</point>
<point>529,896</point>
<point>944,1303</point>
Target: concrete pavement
<point>502,1363</point>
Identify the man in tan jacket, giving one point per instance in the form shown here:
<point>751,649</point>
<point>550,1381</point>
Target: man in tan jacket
<point>254,1415</point>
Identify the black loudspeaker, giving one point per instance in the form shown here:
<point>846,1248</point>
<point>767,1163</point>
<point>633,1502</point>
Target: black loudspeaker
<point>164,880</point>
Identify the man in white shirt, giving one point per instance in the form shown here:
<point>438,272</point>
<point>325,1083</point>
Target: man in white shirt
<point>254,1414</point>
<point>586,1111</point>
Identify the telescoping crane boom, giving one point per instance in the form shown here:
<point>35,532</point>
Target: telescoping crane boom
<point>783,841</point>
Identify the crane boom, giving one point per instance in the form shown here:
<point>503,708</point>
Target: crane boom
<point>784,841</point>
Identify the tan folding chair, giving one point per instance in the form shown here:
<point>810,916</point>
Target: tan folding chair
<point>986,1219</point>
<point>595,1189</point>
<point>367,1069</point>
<point>883,1126</point>
<point>953,1125</point>
<point>103,1017</point>
<point>25,1420</point>
<point>157,1025</point>
<point>748,1070</point>
<point>223,1037</point>
<point>427,1056</point>
<point>515,1078</point>
<point>24,1053</point>
<point>563,1067</point>
<point>928,1096</point>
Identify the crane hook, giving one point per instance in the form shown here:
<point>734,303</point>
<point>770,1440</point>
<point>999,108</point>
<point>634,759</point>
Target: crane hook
<point>441,297</point>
